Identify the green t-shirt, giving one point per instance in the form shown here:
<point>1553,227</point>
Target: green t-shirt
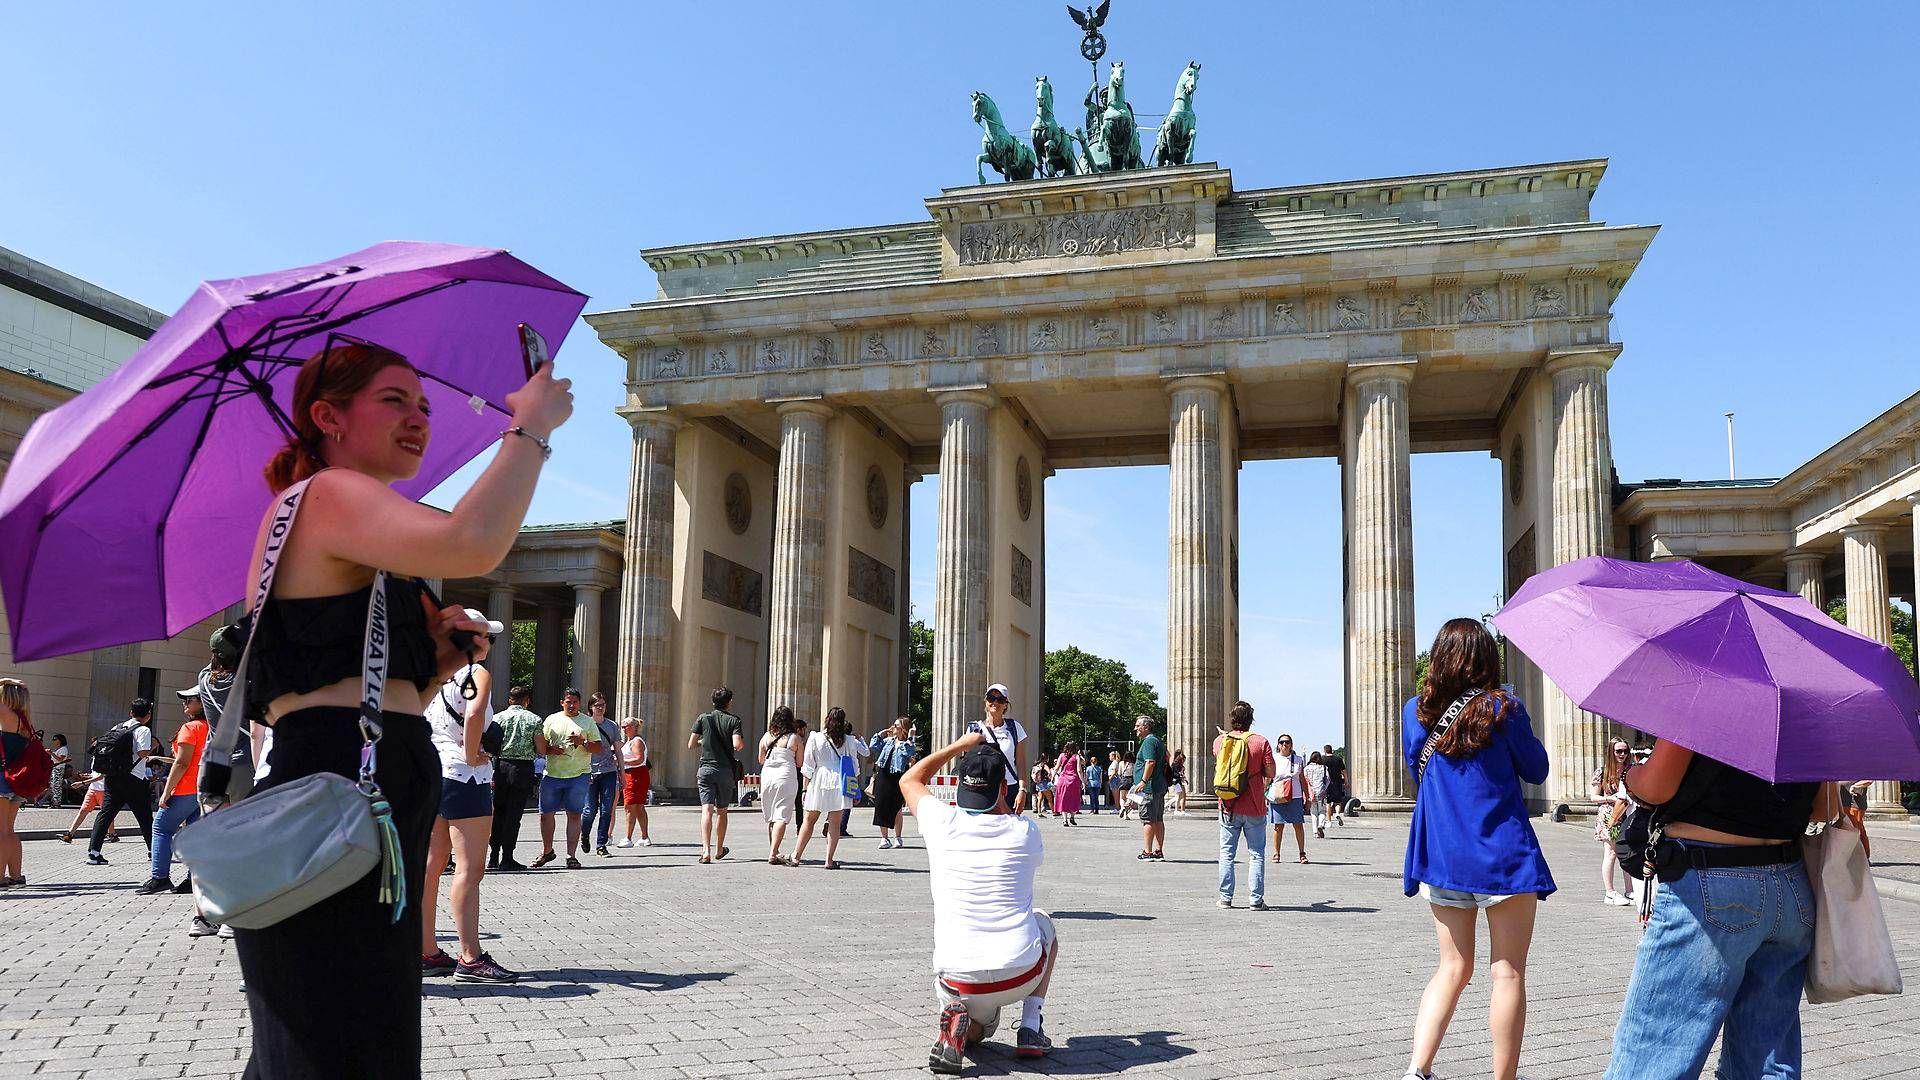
<point>574,760</point>
<point>517,725</point>
<point>1151,749</point>
<point>717,729</point>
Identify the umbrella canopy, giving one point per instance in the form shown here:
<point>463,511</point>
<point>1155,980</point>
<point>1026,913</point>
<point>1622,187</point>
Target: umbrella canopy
<point>1750,676</point>
<point>129,513</point>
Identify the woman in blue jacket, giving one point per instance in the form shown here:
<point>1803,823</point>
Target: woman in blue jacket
<point>1471,846</point>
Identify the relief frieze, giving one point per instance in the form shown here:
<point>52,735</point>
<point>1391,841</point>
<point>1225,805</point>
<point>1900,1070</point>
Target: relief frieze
<point>1065,236</point>
<point>870,581</point>
<point>729,584</point>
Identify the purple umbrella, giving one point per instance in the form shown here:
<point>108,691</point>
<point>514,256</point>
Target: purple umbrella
<point>1753,677</point>
<point>129,513</point>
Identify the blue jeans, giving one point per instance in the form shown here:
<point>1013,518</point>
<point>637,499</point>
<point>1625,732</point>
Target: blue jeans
<point>179,810</point>
<point>1725,954</point>
<point>1254,828</point>
<point>602,790</point>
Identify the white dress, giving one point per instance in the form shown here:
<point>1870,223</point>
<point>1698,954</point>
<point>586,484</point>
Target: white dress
<point>822,764</point>
<point>779,782</point>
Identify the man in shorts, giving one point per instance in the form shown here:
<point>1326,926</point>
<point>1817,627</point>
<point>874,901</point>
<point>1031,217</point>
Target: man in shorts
<point>1150,782</point>
<point>991,946</point>
<point>568,740</point>
<point>716,734</point>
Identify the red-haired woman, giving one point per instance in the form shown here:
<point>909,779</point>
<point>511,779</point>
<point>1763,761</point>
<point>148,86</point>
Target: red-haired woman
<point>334,990</point>
<point>1471,846</point>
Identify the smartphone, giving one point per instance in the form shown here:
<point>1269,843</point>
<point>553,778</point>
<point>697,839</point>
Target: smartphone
<point>533,349</point>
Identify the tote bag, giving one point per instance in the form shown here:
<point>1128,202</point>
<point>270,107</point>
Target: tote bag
<point>1852,950</point>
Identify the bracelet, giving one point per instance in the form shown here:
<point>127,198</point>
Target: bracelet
<point>546,451</point>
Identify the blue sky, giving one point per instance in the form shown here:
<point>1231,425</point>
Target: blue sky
<point>157,145</point>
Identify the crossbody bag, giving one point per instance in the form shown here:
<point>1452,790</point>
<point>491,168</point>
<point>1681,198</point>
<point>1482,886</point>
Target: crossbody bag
<point>279,851</point>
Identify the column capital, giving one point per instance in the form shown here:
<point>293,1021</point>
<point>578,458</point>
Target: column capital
<point>1805,558</point>
<point>588,587</point>
<point>1175,382</point>
<point>1395,368</point>
<point>974,394</point>
<point>1874,530</point>
<point>806,406</point>
<point>1915,500</point>
<point>639,416</point>
<point>1573,357</point>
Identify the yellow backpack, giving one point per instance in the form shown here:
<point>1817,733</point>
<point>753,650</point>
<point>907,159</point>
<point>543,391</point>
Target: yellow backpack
<point>1230,767</point>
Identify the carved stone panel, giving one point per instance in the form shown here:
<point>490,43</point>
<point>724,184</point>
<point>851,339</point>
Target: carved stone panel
<point>1022,577</point>
<point>1516,470</point>
<point>1349,314</point>
<point>727,583</point>
<point>1285,318</point>
<point>986,339</point>
<point>671,363</point>
<point>1163,324</point>
<point>720,359</point>
<point>1223,321</point>
<point>1023,487</point>
<point>873,347</point>
<point>823,352</point>
<point>1479,305</point>
<point>1548,302</point>
<point>870,581</point>
<point>738,499</point>
<point>1044,335</point>
<point>1104,331</point>
<point>1415,310</point>
<point>1065,236</point>
<point>772,356</point>
<point>1521,561</point>
<point>933,342</point>
<point>877,497</point>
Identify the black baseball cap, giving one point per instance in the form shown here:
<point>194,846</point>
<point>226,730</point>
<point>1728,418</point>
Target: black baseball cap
<point>982,772</point>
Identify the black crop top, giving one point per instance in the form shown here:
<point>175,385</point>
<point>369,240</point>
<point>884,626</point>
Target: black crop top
<point>303,644</point>
<point>1715,795</point>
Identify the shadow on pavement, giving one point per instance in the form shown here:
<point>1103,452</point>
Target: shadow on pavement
<point>570,983</point>
<point>1083,1055</point>
<point>1323,907</point>
<point>1100,916</point>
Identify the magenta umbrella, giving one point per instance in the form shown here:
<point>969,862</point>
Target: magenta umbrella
<point>1753,677</point>
<point>129,513</point>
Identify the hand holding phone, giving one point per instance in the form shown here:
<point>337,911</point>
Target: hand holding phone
<point>533,349</point>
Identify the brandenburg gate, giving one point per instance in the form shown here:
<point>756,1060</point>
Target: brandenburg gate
<point>785,392</point>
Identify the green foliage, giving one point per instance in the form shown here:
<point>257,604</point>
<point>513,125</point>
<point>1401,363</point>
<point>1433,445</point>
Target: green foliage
<point>1903,629</point>
<point>920,674</point>
<point>1421,661</point>
<point>526,636</point>
<point>1092,699</point>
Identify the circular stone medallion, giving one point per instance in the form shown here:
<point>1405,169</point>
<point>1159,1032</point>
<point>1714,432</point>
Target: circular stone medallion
<point>1516,470</point>
<point>876,497</point>
<point>1023,488</point>
<point>739,503</point>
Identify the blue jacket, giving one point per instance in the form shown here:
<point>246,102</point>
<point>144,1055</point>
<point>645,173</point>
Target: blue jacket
<point>1470,829</point>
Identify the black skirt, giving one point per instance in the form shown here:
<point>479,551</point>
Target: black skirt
<point>887,800</point>
<point>334,991</point>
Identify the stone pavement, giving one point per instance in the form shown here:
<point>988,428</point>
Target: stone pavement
<point>743,969</point>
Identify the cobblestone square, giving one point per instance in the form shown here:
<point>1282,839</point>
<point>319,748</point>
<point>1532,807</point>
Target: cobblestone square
<point>744,969</point>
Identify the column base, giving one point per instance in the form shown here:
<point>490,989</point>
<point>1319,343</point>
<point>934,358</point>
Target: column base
<point>1383,804</point>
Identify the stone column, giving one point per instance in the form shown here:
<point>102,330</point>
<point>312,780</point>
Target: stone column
<point>1806,575</point>
<point>962,562</point>
<point>586,641</point>
<point>500,660</point>
<point>643,675</point>
<point>1196,571</point>
<point>1582,513</point>
<point>1379,515</point>
<point>797,603</point>
<point>1865,545</point>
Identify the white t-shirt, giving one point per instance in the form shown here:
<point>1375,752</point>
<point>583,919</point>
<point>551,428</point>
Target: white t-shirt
<point>633,752</point>
<point>142,741</point>
<point>447,722</point>
<point>1009,735</point>
<point>981,868</point>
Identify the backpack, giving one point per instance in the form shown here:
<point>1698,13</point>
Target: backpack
<point>27,772</point>
<point>112,753</point>
<point>1230,768</point>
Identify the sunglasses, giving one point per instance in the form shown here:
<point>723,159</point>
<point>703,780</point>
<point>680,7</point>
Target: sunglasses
<point>996,699</point>
<point>1620,751</point>
<point>1286,742</point>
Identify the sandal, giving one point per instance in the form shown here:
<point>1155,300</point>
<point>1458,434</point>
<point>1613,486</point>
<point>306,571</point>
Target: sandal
<point>722,855</point>
<point>831,865</point>
<point>774,860</point>
<point>66,837</point>
<point>705,859</point>
<point>788,860</point>
<point>1303,857</point>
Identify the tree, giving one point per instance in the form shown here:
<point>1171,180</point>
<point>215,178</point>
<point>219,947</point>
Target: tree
<point>920,675</point>
<point>1421,661</point>
<point>1903,629</point>
<point>1092,699</point>
<point>524,668</point>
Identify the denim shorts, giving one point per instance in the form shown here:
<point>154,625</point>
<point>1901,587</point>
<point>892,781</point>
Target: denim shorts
<point>1291,812</point>
<point>569,794</point>
<point>464,799</point>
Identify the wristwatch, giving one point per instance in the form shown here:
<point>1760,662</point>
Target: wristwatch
<point>546,451</point>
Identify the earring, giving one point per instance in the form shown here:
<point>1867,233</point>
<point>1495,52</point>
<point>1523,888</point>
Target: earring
<point>339,437</point>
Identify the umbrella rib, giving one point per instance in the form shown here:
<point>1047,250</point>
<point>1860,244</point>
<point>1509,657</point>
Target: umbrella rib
<point>160,533</point>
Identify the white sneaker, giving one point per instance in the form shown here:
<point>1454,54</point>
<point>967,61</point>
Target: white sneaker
<point>625,843</point>
<point>1615,899</point>
<point>643,842</point>
<point>885,843</point>
<point>226,932</point>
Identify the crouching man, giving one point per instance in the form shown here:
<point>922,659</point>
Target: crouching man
<point>991,948</point>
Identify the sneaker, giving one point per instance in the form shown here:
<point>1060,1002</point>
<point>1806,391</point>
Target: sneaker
<point>643,842</point>
<point>483,970</point>
<point>1257,905</point>
<point>950,1049</point>
<point>185,886</point>
<point>113,838</point>
<point>603,852</point>
<point>545,858</point>
<point>226,934</point>
<point>154,885</point>
<point>572,863</point>
<point>1614,899</point>
<point>493,860</point>
<point>624,843</point>
<point>200,927</point>
<point>96,858</point>
<point>1032,1043</point>
<point>1159,856</point>
<point>1223,902</point>
<point>438,964</point>
<point>885,843</point>
<point>1145,856</point>
<point>1319,832</point>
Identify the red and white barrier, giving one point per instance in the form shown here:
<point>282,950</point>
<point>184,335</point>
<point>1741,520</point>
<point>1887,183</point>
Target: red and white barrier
<point>947,787</point>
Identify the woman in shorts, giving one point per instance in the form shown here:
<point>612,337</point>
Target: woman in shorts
<point>636,779</point>
<point>456,721</point>
<point>1471,846</point>
<point>1177,781</point>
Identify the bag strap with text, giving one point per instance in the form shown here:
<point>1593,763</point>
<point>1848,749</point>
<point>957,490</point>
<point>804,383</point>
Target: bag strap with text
<point>374,654</point>
<point>1441,725</point>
